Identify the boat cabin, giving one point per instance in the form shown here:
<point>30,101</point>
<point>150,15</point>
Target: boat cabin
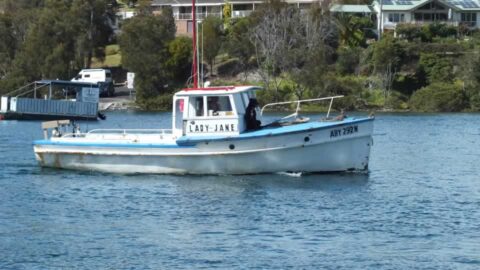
<point>214,111</point>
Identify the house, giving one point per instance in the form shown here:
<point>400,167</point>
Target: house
<point>453,12</point>
<point>389,13</point>
<point>182,9</point>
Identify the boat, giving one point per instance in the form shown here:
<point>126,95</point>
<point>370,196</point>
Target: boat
<point>215,131</point>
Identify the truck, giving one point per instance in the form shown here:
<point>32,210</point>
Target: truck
<point>102,77</point>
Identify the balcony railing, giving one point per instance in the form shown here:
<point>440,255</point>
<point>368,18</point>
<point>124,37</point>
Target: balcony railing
<point>430,22</point>
<point>200,16</point>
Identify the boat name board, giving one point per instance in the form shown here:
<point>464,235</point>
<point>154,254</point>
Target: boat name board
<point>209,127</point>
<point>349,130</point>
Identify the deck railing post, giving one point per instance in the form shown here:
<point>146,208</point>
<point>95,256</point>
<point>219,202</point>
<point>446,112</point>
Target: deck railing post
<point>298,108</point>
<point>330,107</point>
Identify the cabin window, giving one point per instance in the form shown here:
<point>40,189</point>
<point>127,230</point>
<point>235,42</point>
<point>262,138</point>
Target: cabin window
<point>179,108</point>
<point>245,99</point>
<point>219,106</point>
<point>86,76</point>
<point>197,103</point>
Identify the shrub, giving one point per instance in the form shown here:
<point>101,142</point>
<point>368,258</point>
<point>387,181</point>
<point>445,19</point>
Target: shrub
<point>348,60</point>
<point>158,103</point>
<point>436,68</point>
<point>425,33</point>
<point>409,31</point>
<point>474,101</point>
<point>439,97</point>
<point>407,83</point>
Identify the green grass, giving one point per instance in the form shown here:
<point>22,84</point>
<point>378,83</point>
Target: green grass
<point>113,57</point>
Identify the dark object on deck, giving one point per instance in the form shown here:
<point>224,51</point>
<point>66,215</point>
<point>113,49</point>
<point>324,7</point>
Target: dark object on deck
<point>251,115</point>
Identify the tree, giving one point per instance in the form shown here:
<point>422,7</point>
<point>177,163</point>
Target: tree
<point>180,61</point>
<point>227,13</point>
<point>276,38</point>
<point>238,43</point>
<point>144,43</point>
<point>58,39</point>
<point>350,30</point>
<point>14,6</point>
<point>93,19</point>
<point>470,74</point>
<point>286,40</point>
<point>49,46</point>
<point>212,29</point>
<point>7,44</point>
<point>320,41</point>
<point>387,60</point>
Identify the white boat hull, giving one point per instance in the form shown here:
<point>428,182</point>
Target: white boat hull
<point>309,150</point>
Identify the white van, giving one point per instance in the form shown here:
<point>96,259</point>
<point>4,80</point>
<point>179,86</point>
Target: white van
<point>101,76</point>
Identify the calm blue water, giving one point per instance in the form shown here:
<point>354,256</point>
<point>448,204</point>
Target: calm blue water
<point>419,207</point>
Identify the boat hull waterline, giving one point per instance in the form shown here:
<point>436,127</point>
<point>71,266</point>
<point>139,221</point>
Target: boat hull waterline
<point>327,147</point>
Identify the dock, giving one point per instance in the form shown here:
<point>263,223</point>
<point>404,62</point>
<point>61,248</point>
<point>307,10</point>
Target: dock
<point>52,100</point>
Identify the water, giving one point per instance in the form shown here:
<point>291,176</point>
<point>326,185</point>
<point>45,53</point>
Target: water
<point>419,207</point>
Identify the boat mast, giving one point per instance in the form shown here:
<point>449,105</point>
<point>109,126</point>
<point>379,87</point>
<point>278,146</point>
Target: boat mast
<point>194,41</point>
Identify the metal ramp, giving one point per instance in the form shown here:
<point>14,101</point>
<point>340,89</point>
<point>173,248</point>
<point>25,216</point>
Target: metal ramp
<point>52,100</point>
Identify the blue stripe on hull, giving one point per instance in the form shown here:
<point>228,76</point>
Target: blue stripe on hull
<point>108,145</point>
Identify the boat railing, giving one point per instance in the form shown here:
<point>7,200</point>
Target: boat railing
<point>19,90</point>
<point>130,131</point>
<point>298,102</point>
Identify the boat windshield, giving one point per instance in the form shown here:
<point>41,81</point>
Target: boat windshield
<point>219,105</point>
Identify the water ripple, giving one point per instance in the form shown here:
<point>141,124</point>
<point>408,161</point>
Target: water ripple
<point>417,208</point>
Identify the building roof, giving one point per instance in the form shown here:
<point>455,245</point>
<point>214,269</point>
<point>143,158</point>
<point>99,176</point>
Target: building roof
<point>351,8</point>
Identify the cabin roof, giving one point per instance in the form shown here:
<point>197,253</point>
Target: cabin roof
<point>216,90</point>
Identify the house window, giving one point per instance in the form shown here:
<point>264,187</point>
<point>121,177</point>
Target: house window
<point>396,17</point>
<point>430,17</point>
<point>469,18</point>
<point>187,10</point>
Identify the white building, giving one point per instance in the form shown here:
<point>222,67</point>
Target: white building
<point>454,12</point>
<point>182,9</point>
